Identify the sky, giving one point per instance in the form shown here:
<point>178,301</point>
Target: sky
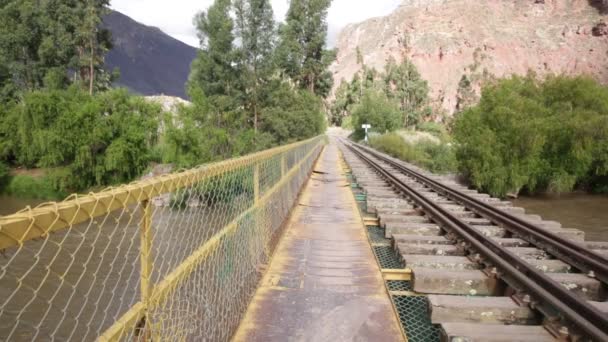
<point>175,17</point>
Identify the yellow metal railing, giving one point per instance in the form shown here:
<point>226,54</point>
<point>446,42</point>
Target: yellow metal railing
<point>173,257</point>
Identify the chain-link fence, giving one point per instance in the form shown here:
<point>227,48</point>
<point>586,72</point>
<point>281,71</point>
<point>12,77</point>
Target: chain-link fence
<point>173,257</point>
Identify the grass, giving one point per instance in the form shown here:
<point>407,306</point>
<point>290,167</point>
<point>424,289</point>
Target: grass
<point>24,186</point>
<point>435,157</point>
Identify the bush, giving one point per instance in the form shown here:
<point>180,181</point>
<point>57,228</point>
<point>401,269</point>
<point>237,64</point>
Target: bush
<point>432,127</point>
<point>439,158</point>
<point>292,115</point>
<point>102,139</point>
<point>377,110</point>
<point>23,186</point>
<point>533,135</point>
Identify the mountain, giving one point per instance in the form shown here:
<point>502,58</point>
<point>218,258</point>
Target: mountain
<point>447,40</point>
<point>150,61</point>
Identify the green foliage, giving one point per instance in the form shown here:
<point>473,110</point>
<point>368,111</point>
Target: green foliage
<point>377,110</point>
<point>401,83</point>
<point>432,127</point>
<point>214,71</point>
<point>340,108</point>
<point>40,41</point>
<point>201,133</point>
<point>466,95</point>
<point>533,135</point>
<point>23,186</point>
<point>225,188</point>
<point>102,139</point>
<point>5,176</point>
<point>439,158</point>
<point>404,84</point>
<point>243,100</point>
<point>255,29</point>
<point>301,51</point>
<point>293,115</point>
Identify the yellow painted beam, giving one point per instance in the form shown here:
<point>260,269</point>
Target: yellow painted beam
<point>371,221</point>
<point>397,274</point>
<point>125,324</point>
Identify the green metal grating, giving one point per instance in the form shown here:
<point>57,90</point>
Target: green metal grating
<point>376,235</point>
<point>387,257</point>
<point>414,315</point>
<point>360,197</point>
<point>399,285</point>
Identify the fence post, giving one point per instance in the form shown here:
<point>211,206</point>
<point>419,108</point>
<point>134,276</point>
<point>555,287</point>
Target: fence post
<point>146,264</point>
<point>256,183</point>
<point>283,165</point>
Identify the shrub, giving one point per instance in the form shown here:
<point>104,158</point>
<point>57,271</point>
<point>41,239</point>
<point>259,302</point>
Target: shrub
<point>101,139</point>
<point>432,127</point>
<point>23,186</point>
<point>377,110</point>
<point>439,158</point>
<point>532,135</point>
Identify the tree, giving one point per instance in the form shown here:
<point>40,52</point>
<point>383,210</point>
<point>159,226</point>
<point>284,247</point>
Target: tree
<point>214,71</point>
<point>377,110</point>
<point>466,95</point>
<point>100,140</point>
<point>42,41</point>
<point>22,32</point>
<point>255,29</point>
<point>92,42</point>
<point>293,114</point>
<point>301,51</point>
<point>536,135</point>
<point>404,83</point>
<point>341,104</point>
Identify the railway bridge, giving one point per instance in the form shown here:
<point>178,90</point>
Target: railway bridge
<point>321,240</point>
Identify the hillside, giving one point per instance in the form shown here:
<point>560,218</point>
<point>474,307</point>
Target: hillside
<point>150,61</point>
<point>449,39</point>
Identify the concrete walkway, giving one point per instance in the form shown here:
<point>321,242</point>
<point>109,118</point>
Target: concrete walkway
<point>323,283</point>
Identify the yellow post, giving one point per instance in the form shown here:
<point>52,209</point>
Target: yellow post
<point>256,183</point>
<point>146,264</point>
<point>283,165</point>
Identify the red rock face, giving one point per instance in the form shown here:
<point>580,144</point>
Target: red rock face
<point>449,39</point>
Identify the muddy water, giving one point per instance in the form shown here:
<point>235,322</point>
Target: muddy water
<point>9,205</point>
<point>577,210</point>
<point>76,283</point>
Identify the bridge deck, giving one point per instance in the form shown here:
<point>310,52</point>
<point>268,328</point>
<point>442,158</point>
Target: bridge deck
<point>323,283</point>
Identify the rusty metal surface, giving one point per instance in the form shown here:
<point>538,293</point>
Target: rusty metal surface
<point>323,283</point>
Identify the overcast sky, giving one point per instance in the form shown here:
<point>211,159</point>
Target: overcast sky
<point>175,17</point>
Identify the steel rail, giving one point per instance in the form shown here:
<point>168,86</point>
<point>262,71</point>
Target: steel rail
<point>564,249</point>
<point>542,288</point>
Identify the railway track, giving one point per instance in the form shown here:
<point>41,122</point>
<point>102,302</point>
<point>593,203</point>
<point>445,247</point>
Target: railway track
<point>490,271</point>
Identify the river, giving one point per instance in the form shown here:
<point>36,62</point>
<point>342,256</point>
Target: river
<point>76,283</point>
<point>9,205</point>
<point>574,210</point>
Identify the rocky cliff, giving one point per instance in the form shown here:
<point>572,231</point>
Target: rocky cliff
<point>447,39</point>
